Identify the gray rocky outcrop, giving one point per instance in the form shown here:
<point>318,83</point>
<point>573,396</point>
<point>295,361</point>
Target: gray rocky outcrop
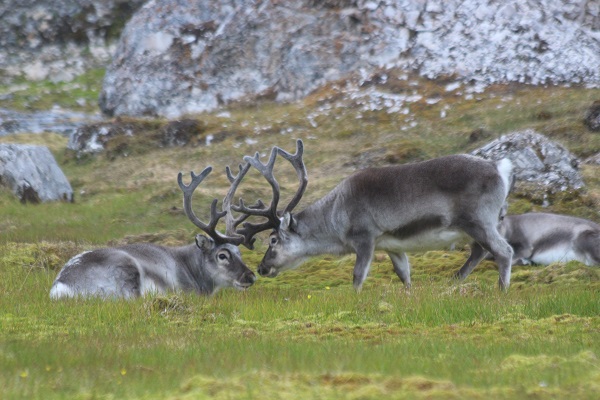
<point>540,165</point>
<point>55,120</point>
<point>31,172</point>
<point>59,39</point>
<point>177,57</point>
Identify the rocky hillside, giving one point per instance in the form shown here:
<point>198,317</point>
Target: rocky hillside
<point>175,57</point>
<point>187,56</point>
<point>59,39</point>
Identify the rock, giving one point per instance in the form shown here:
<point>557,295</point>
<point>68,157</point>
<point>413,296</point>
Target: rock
<point>541,166</point>
<point>593,160</point>
<point>32,174</point>
<point>179,57</point>
<point>592,117</point>
<point>115,135</point>
<point>180,132</point>
<point>91,138</point>
<point>55,120</point>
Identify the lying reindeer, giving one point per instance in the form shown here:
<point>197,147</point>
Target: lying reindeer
<point>543,238</point>
<point>133,270</point>
<point>412,207</point>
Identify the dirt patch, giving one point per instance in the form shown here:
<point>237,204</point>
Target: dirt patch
<point>122,137</point>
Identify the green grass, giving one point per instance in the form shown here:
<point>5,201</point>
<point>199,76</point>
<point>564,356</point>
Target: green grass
<point>80,94</point>
<point>317,341</point>
<point>305,334</point>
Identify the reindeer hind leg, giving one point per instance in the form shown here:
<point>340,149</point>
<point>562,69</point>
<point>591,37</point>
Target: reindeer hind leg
<point>489,239</point>
<point>477,254</point>
<point>127,280</point>
<point>364,255</point>
<point>589,246</point>
<point>401,267</point>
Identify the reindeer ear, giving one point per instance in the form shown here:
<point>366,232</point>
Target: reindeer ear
<point>287,222</point>
<point>204,243</point>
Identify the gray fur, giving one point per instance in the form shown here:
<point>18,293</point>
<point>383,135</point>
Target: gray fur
<point>134,270</point>
<point>544,238</point>
<point>411,207</point>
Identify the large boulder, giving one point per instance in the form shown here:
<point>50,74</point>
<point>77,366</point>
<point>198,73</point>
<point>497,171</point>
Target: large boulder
<point>186,56</point>
<point>541,166</point>
<point>32,174</point>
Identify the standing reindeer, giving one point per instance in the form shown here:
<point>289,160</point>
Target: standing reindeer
<point>543,238</point>
<point>412,207</point>
<point>133,270</point>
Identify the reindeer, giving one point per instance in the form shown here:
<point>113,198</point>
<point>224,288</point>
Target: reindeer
<point>129,271</point>
<point>412,207</point>
<point>543,238</point>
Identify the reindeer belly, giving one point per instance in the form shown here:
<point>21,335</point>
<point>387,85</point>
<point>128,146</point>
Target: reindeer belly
<point>557,254</point>
<point>433,239</point>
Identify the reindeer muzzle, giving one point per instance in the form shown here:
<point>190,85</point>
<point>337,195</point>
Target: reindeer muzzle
<point>246,280</point>
<point>268,272</point>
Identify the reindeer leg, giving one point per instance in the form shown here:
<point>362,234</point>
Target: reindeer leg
<point>588,245</point>
<point>503,255</point>
<point>401,267</point>
<point>477,254</point>
<point>364,255</point>
<point>490,240</point>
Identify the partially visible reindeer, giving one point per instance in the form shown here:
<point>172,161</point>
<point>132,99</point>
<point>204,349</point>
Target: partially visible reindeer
<point>133,270</point>
<point>411,207</point>
<point>544,238</point>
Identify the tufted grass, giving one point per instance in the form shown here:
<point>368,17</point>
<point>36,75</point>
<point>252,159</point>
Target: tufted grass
<point>317,339</point>
<point>305,334</point>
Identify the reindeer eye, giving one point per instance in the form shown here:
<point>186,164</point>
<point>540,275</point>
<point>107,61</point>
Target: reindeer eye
<point>273,240</point>
<point>222,256</point>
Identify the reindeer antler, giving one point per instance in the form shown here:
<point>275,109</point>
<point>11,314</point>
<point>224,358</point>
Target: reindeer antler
<point>231,222</point>
<point>248,230</point>
<point>298,164</point>
<point>210,228</point>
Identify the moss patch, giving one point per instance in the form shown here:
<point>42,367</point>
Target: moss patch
<point>81,94</point>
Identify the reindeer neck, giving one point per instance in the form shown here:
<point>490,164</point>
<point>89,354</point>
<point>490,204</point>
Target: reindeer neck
<point>193,263</point>
<point>315,225</point>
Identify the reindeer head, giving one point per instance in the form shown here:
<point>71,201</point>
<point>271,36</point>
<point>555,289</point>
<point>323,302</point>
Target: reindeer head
<point>224,264</point>
<point>220,252</point>
<point>286,248</point>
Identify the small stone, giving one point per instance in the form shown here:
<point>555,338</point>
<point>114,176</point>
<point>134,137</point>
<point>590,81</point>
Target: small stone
<point>592,117</point>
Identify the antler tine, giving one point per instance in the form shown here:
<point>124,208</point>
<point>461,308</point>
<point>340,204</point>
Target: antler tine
<point>259,209</point>
<point>231,222</point>
<point>298,164</point>
<point>248,229</point>
<point>210,228</point>
<point>266,170</point>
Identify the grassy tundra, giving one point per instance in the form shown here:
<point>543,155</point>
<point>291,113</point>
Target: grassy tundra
<point>305,334</point>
